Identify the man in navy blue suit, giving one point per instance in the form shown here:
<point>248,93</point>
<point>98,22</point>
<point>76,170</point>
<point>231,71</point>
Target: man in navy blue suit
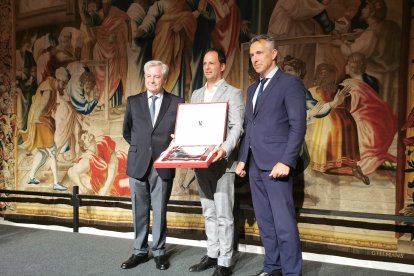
<point>274,130</point>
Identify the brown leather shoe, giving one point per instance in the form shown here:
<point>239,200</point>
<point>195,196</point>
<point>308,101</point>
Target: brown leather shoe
<point>134,260</point>
<point>205,263</point>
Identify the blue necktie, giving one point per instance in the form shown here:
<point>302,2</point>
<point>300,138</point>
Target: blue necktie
<point>152,108</point>
<point>261,87</point>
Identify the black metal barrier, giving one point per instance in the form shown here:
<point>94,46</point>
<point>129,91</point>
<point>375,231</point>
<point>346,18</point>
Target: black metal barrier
<point>75,200</point>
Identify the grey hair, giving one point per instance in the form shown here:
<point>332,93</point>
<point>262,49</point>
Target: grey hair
<point>153,63</point>
<point>269,39</point>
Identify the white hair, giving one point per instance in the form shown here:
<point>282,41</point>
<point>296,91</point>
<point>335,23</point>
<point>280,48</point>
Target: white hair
<point>153,63</point>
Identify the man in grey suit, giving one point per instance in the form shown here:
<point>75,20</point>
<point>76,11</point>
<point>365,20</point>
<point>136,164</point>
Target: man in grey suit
<point>148,124</point>
<point>216,183</point>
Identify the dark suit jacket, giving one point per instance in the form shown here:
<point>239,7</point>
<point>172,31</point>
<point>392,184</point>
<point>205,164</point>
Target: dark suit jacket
<point>147,142</point>
<point>276,130</point>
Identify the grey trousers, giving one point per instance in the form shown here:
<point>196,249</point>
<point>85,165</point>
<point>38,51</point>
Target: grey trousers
<point>153,192</point>
<point>216,189</point>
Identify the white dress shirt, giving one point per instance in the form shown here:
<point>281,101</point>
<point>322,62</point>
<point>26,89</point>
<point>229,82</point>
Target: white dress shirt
<point>157,103</point>
<point>269,76</point>
<point>209,94</point>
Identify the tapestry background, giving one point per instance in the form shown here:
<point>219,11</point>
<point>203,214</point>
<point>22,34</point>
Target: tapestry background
<point>358,151</point>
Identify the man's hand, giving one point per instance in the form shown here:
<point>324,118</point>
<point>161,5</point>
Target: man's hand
<point>280,170</point>
<point>221,153</point>
<point>240,171</point>
<point>172,143</point>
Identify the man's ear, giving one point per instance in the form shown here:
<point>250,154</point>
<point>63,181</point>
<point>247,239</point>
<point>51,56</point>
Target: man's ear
<point>222,67</point>
<point>274,54</point>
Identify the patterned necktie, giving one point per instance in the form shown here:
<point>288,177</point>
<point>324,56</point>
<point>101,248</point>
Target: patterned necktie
<point>262,83</point>
<point>152,108</point>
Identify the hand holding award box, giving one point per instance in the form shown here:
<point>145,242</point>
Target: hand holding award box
<point>199,129</point>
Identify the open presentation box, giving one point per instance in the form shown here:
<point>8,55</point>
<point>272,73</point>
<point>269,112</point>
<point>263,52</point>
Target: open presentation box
<point>199,129</point>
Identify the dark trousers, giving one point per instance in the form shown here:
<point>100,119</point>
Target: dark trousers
<point>275,214</point>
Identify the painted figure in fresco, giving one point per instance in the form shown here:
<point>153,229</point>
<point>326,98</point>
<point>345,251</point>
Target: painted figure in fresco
<point>26,79</point>
<point>107,42</point>
<point>61,55</point>
<point>41,127</point>
<point>226,34</point>
<point>100,169</point>
<point>216,183</point>
<point>356,69</point>
<point>297,67</point>
<point>173,24</point>
<point>148,123</point>
<point>334,144</point>
<point>218,25</point>
<point>140,50</point>
<point>375,120</point>
<point>91,13</point>
<point>300,18</point>
<point>82,89</point>
<point>206,20</point>
<point>42,51</point>
<point>274,131</point>
<point>380,44</point>
<point>314,109</point>
<point>67,129</point>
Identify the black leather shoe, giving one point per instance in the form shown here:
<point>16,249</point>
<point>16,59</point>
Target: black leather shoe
<point>222,271</point>
<point>161,262</point>
<point>262,273</point>
<point>134,260</point>
<point>205,263</point>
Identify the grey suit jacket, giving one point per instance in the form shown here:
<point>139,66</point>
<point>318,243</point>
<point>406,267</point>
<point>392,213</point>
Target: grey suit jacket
<point>233,96</point>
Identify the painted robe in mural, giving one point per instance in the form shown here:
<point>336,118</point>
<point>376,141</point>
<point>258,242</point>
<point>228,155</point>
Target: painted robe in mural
<point>99,167</point>
<point>111,37</point>
<point>67,125</point>
<point>380,43</point>
<point>41,124</point>
<point>294,19</point>
<point>334,142</point>
<point>174,48</point>
<point>27,83</point>
<point>225,36</point>
<point>376,125</point>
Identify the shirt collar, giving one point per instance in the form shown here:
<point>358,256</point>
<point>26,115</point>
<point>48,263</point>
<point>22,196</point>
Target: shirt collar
<point>159,95</point>
<point>271,73</point>
<point>217,84</point>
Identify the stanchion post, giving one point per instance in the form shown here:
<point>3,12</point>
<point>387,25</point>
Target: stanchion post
<point>75,204</point>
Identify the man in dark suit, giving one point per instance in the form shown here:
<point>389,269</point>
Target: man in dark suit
<point>274,130</point>
<point>148,124</point>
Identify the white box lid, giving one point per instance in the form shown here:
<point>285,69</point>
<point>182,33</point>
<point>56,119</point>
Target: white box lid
<point>200,124</point>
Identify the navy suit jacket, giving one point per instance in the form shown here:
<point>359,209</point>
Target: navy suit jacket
<point>148,142</point>
<point>275,131</point>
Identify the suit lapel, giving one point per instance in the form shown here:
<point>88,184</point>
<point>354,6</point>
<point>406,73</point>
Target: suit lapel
<point>201,95</point>
<point>250,95</point>
<point>163,109</point>
<point>267,92</point>
<point>220,91</point>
